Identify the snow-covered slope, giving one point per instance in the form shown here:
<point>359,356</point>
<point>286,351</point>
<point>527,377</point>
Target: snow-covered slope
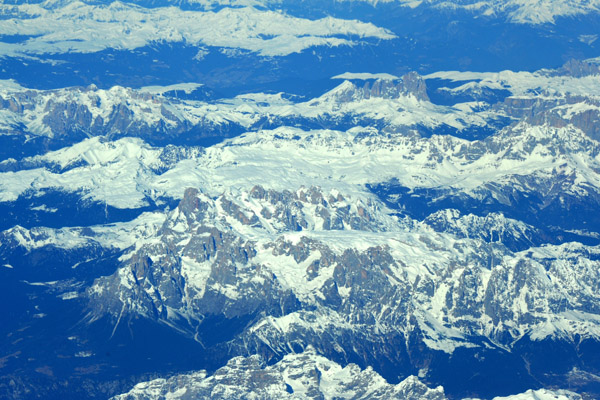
<point>118,236</point>
<point>565,96</point>
<point>320,157</point>
<point>542,394</point>
<point>323,268</point>
<point>284,217</point>
<point>516,11</point>
<point>556,141</point>
<point>534,12</point>
<point>548,82</point>
<point>158,115</point>
<point>125,172</point>
<point>261,191</point>
<point>113,172</point>
<point>397,105</point>
<point>305,375</point>
<point>310,247</point>
<point>75,27</point>
<point>337,238</point>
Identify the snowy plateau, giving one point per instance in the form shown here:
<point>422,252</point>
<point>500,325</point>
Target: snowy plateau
<point>283,199</point>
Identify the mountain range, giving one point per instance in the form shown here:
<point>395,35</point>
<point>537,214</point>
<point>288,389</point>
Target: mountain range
<point>274,199</point>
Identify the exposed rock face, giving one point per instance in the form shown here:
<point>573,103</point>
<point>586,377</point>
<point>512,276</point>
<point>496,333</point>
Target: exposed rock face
<point>465,255</point>
<point>61,117</point>
<point>414,84</point>
<point>579,68</point>
<point>260,257</point>
<point>556,98</point>
<point>71,114</point>
<point>583,113</point>
<point>411,84</point>
<point>305,375</point>
<point>198,257</point>
<point>494,227</point>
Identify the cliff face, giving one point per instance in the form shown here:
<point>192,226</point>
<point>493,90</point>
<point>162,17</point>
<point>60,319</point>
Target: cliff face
<point>306,374</point>
<point>71,114</point>
<point>363,235</point>
<point>65,116</point>
<point>579,68</point>
<point>557,111</point>
<point>292,270</point>
<point>411,84</point>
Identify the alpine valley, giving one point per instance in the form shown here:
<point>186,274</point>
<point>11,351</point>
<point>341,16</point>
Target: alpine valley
<point>300,199</point>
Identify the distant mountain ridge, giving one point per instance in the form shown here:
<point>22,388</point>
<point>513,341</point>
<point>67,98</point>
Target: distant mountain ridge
<point>315,199</point>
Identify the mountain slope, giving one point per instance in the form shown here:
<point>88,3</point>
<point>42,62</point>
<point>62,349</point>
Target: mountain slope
<point>305,375</point>
<point>261,191</point>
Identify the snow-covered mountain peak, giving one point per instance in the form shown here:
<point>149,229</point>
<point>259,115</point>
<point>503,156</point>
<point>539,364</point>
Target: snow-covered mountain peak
<point>118,236</point>
<point>127,26</point>
<point>553,83</point>
<point>546,11</point>
<point>365,76</point>
<point>532,12</point>
<point>376,86</point>
<point>324,158</point>
<point>542,394</point>
<point>259,191</point>
<point>65,115</point>
<point>283,230</point>
<point>100,152</point>
<point>303,375</point>
<point>275,244</point>
<point>260,213</point>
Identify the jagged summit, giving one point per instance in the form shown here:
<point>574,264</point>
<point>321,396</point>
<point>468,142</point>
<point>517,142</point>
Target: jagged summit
<point>365,86</point>
<point>303,375</point>
<point>255,198</point>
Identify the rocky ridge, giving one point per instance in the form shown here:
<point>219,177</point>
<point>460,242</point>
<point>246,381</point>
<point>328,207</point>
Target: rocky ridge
<point>162,116</point>
<point>306,283</point>
<point>379,247</point>
<point>304,375</point>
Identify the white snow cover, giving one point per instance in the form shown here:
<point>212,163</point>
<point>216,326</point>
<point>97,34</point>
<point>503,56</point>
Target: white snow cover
<point>288,158</point>
<point>364,76</point>
<point>120,173</point>
<point>250,378</point>
<point>149,107</point>
<point>115,172</point>
<point>543,11</point>
<point>77,27</point>
<point>185,87</point>
<point>145,105</point>
<point>284,163</point>
<point>542,394</point>
<point>524,83</point>
<point>307,374</point>
<point>210,4</point>
<point>533,12</point>
<point>119,235</point>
